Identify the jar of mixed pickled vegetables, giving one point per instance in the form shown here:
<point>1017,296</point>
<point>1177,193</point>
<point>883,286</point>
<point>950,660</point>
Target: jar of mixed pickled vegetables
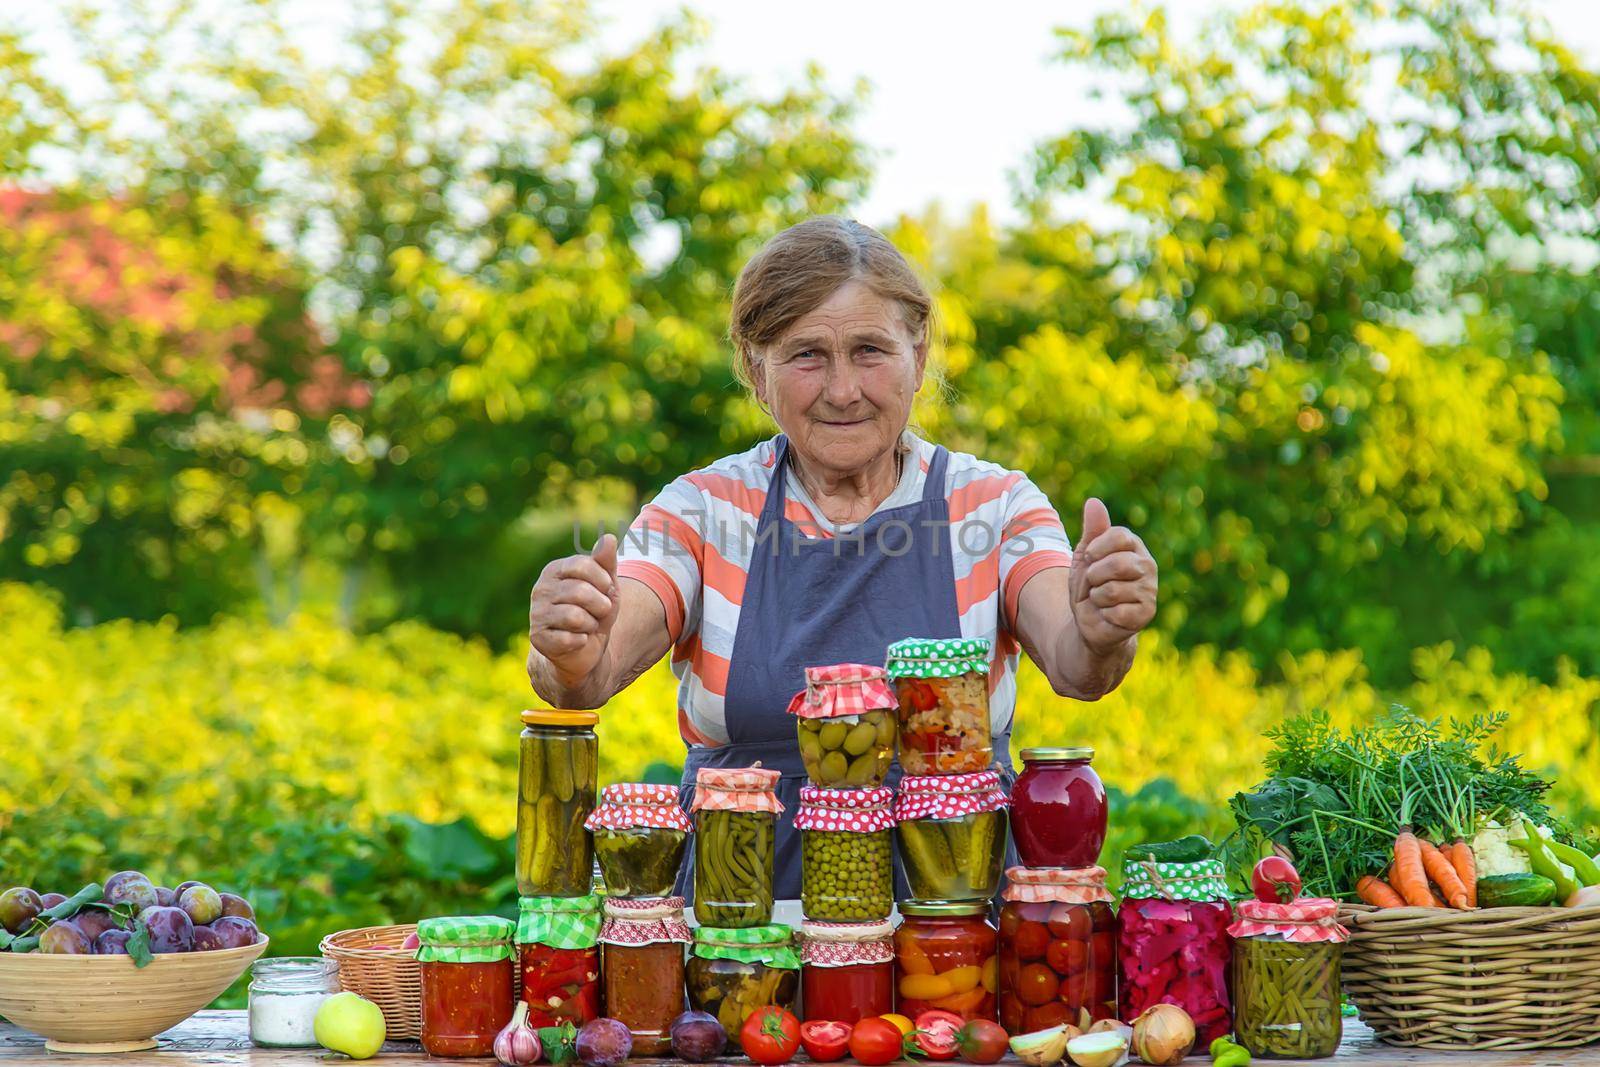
<point>1058,948</point>
<point>845,717</point>
<point>555,794</point>
<point>846,970</point>
<point>732,971</point>
<point>558,950</point>
<point>1286,998</point>
<point>952,831</point>
<point>640,834</point>
<point>942,685</point>
<point>1174,945</point>
<point>736,815</point>
<point>467,980</point>
<point>945,957</point>
<point>644,944</point>
<point>1058,808</point>
<point>846,859</point>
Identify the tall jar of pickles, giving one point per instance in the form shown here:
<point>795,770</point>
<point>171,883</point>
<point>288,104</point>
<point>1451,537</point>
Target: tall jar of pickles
<point>555,794</point>
<point>1285,971</point>
<point>736,815</point>
<point>639,838</point>
<point>846,858</point>
<point>846,721</point>
<point>942,690</point>
<point>952,831</point>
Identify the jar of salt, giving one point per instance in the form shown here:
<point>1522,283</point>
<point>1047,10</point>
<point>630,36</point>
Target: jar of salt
<point>285,993</point>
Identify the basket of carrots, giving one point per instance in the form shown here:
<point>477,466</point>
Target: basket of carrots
<point>1474,912</point>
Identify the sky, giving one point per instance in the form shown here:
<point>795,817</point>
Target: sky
<point>961,91</point>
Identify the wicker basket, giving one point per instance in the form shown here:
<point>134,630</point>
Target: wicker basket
<point>1499,978</point>
<point>390,977</point>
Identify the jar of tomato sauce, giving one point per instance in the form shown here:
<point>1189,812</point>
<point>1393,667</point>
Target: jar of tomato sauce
<point>467,979</point>
<point>945,958</point>
<point>1174,942</point>
<point>1058,949</point>
<point>558,942</point>
<point>1058,808</point>
<point>942,685</point>
<point>644,944</point>
<point>846,970</point>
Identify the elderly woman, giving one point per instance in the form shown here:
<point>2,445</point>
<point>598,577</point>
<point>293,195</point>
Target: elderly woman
<point>840,535</point>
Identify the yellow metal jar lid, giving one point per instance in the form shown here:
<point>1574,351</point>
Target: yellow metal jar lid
<point>944,907</point>
<point>1069,752</point>
<point>557,717</point>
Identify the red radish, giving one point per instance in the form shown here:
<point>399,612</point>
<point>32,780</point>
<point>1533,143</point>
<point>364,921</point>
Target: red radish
<point>411,942</point>
<point>1275,881</point>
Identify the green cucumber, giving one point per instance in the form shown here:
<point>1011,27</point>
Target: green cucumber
<point>1191,849</point>
<point>1515,891</point>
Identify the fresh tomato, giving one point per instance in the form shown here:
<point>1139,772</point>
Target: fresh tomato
<point>901,1022</point>
<point>876,1041</point>
<point>982,1041</point>
<point>770,1035</point>
<point>935,1034</point>
<point>825,1041</point>
<point>1275,881</point>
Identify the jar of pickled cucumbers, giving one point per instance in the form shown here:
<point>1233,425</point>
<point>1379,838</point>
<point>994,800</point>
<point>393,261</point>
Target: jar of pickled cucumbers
<point>952,831</point>
<point>845,717</point>
<point>736,815</point>
<point>640,834</point>
<point>558,955</point>
<point>942,685</point>
<point>1058,948</point>
<point>846,970</point>
<point>733,971</point>
<point>846,858</point>
<point>945,958</point>
<point>1285,978</point>
<point>555,794</point>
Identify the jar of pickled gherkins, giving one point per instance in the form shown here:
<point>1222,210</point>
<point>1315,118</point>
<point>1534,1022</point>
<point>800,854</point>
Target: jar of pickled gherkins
<point>639,837</point>
<point>467,980</point>
<point>732,971</point>
<point>643,948</point>
<point>1286,999</point>
<point>736,815</point>
<point>942,685</point>
<point>555,794</point>
<point>845,716</point>
<point>945,957</point>
<point>952,831</point>
<point>558,950</point>
<point>846,970</point>
<point>1173,944</point>
<point>1058,948</point>
<point>846,859</point>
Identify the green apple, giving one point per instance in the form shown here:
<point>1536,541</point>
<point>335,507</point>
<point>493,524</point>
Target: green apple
<point>350,1024</point>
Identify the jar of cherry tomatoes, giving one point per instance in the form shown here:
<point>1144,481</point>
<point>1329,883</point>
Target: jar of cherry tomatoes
<point>943,688</point>
<point>467,978</point>
<point>944,955</point>
<point>1058,949</point>
<point>558,946</point>
<point>1058,808</point>
<point>846,970</point>
<point>644,944</point>
<point>1174,945</point>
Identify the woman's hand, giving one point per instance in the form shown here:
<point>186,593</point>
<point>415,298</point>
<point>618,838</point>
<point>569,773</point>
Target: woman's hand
<point>571,611</point>
<point>1113,581</point>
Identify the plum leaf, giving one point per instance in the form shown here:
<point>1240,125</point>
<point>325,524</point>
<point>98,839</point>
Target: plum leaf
<point>139,946</point>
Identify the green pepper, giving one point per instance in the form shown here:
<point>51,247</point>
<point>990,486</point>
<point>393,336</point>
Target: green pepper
<point>1224,1053</point>
<point>1543,861</point>
<point>1587,870</point>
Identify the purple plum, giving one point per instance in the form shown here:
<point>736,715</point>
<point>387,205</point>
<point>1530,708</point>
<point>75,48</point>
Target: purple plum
<point>207,939</point>
<point>50,900</point>
<point>19,906</point>
<point>167,898</point>
<point>202,903</point>
<point>112,943</point>
<point>698,1037</point>
<point>233,904</point>
<point>118,879</point>
<point>604,1042</point>
<point>137,892</point>
<point>65,938</point>
<point>94,922</point>
<point>236,932</point>
<point>170,929</point>
<point>181,886</point>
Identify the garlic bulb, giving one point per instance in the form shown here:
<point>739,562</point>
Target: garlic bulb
<point>518,1044</point>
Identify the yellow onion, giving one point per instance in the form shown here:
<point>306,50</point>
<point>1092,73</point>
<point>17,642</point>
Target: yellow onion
<point>1163,1034</point>
<point>1105,1048</point>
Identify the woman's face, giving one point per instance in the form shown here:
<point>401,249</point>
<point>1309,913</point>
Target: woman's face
<point>841,380</point>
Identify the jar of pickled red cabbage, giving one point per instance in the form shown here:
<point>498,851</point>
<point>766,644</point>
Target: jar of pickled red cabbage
<point>1174,944</point>
<point>736,817</point>
<point>1058,808</point>
<point>558,952</point>
<point>846,721</point>
<point>945,958</point>
<point>1286,958</point>
<point>942,685</point>
<point>1058,949</point>
<point>846,970</point>
<point>952,832</point>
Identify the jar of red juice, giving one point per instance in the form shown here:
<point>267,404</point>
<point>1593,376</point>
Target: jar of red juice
<point>846,970</point>
<point>1174,944</point>
<point>1058,808</point>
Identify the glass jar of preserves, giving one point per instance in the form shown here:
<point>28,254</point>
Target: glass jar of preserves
<point>846,970</point>
<point>942,686</point>
<point>732,971</point>
<point>467,983</point>
<point>845,717</point>
<point>1058,808</point>
<point>644,944</point>
<point>639,837</point>
<point>1174,945</point>
<point>952,831</point>
<point>945,957</point>
<point>1286,997</point>
<point>558,950</point>
<point>285,993</point>
<point>846,858</point>
<point>736,815</point>
<point>1058,949</point>
<point>555,794</point>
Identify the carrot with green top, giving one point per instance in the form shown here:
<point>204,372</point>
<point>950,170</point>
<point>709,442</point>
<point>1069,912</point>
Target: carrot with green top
<point>1466,865</point>
<point>1407,874</point>
<point>1443,875</point>
<point>1375,891</point>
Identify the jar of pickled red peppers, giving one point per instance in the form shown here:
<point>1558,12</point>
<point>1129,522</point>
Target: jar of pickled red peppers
<point>1174,946</point>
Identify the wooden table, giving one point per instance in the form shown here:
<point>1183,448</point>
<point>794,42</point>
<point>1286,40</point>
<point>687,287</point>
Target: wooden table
<point>219,1038</point>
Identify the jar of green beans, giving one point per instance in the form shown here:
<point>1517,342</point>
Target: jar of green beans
<point>1285,977</point>
<point>736,815</point>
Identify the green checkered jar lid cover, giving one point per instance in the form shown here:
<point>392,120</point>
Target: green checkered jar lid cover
<point>464,939</point>
<point>938,657</point>
<point>772,945</point>
<point>1144,879</point>
<point>559,922</point>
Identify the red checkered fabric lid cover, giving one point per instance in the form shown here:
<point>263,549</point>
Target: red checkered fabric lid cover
<point>1065,885</point>
<point>628,805</point>
<point>736,789</point>
<point>845,944</point>
<point>645,921</point>
<point>948,796</point>
<point>861,811</point>
<point>842,689</point>
<point>1305,920</point>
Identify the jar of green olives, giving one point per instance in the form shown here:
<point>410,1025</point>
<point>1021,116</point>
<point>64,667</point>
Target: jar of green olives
<point>846,857</point>
<point>639,837</point>
<point>846,722</point>
<point>736,816</point>
<point>555,794</point>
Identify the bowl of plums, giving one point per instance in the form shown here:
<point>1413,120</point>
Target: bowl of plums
<point>111,966</point>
